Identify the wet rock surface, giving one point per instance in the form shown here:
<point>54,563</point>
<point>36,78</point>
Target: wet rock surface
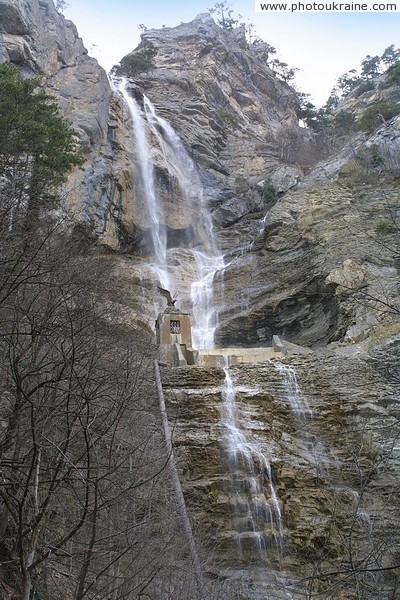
<point>333,457</point>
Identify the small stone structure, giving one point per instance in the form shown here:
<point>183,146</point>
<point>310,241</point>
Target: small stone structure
<point>174,338</point>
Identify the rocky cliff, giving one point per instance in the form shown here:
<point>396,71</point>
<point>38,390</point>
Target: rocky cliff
<point>237,118</point>
<point>219,92</point>
<point>41,42</point>
<point>311,253</point>
<point>331,441</point>
<point>308,261</point>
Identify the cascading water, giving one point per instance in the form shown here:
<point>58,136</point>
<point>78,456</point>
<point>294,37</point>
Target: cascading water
<point>297,402</point>
<point>205,259</point>
<point>323,458</point>
<point>146,177</point>
<point>205,312</point>
<point>208,259</point>
<point>251,490</point>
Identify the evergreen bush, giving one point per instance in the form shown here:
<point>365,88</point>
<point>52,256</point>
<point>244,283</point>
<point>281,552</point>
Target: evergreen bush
<point>377,114</point>
<point>268,192</point>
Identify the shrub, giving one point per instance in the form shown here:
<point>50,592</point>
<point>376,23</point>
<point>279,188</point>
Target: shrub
<point>393,74</point>
<point>137,62</point>
<point>375,155</point>
<point>385,227</point>
<point>241,184</point>
<point>268,191</point>
<point>231,120</point>
<point>366,86</point>
<point>344,120</point>
<point>377,114</point>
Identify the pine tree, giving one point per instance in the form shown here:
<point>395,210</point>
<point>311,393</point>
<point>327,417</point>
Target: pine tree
<point>37,146</point>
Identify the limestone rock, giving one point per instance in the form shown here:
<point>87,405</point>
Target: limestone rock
<point>317,267</point>
<point>41,42</point>
<point>14,17</point>
<point>234,115</point>
<point>321,447</point>
<point>285,178</point>
<point>349,276</point>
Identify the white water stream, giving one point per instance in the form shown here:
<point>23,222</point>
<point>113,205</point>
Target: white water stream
<point>297,401</point>
<point>205,258</point>
<point>146,175</point>
<point>251,482</point>
<point>251,488</point>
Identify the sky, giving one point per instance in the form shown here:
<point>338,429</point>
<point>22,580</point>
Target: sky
<point>322,45</point>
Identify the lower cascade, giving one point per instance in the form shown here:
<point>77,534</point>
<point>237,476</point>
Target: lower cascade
<point>250,487</point>
<point>296,400</point>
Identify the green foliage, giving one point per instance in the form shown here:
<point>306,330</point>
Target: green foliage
<point>393,75</point>
<point>137,62</point>
<point>283,71</point>
<point>374,156</point>
<point>376,115</point>
<point>262,49</point>
<point>370,67</point>
<point>385,227</point>
<point>224,14</point>
<point>348,82</point>
<point>365,86</point>
<point>268,191</point>
<point>344,120</point>
<point>333,101</point>
<point>314,118</point>
<point>37,147</point>
<point>390,55</point>
<point>231,120</point>
<point>242,185</point>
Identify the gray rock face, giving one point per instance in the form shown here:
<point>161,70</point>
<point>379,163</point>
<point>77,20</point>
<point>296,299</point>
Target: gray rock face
<point>317,268</point>
<point>41,42</point>
<point>237,119</point>
<point>14,18</point>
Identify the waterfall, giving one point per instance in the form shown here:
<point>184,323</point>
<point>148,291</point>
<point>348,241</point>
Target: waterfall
<point>204,257</point>
<point>322,457</point>
<point>208,259</point>
<point>177,161</point>
<point>251,489</point>
<point>205,311</point>
<point>146,177</point>
<point>297,402</point>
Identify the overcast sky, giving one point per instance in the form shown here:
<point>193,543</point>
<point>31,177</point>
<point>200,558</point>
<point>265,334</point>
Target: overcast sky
<point>323,46</point>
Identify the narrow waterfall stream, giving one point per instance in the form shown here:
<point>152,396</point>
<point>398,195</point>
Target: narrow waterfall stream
<point>318,454</point>
<point>202,254</point>
<point>146,176</point>
<point>208,259</point>
<point>250,487</point>
<point>297,401</point>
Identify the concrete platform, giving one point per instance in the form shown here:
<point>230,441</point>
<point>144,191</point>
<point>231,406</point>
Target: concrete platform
<point>218,357</point>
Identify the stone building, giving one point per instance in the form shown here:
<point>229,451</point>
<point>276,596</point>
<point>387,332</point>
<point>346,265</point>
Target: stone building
<point>174,338</point>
